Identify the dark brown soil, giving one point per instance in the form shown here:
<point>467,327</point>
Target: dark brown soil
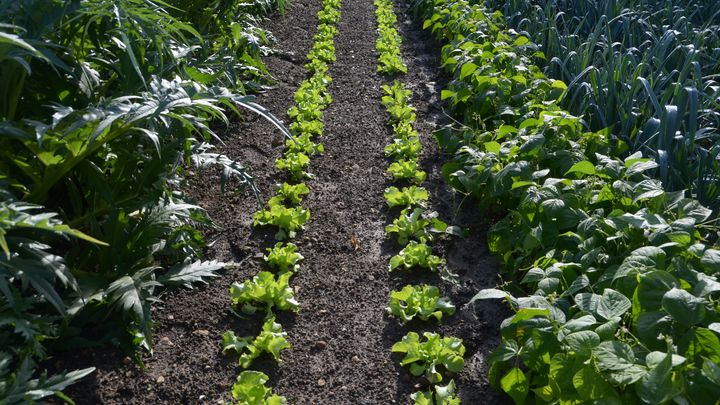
<point>341,337</point>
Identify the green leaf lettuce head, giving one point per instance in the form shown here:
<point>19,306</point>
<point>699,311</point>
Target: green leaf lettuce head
<point>410,226</point>
<point>407,170</point>
<point>421,301</point>
<point>283,258</point>
<point>271,340</point>
<point>250,389</point>
<point>264,290</point>
<point>416,254</point>
<point>287,220</point>
<point>292,194</point>
<point>294,163</point>
<point>408,197</point>
<point>430,357</point>
<point>437,395</point>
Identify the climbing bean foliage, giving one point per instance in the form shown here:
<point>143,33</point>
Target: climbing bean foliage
<point>612,278</point>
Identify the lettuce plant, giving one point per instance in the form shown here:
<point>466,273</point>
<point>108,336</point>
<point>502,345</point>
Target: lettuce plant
<point>295,163</point>
<point>264,290</point>
<point>403,148</point>
<point>407,197</point>
<point>287,220</point>
<point>423,302</point>
<point>290,193</point>
<point>410,225</point>
<point>284,258</point>
<point>304,144</point>
<point>250,389</point>
<point>437,395</point>
<point>416,254</point>
<point>407,170</point>
<point>271,340</point>
<point>431,356</point>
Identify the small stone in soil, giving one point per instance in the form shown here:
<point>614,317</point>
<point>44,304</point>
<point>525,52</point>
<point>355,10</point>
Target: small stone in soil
<point>356,359</point>
<point>201,332</point>
<point>321,382</point>
<point>320,345</point>
<point>160,380</point>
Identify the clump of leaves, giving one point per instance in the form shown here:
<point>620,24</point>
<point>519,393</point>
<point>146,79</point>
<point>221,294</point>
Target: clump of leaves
<point>292,194</point>
<point>407,197</point>
<point>407,170</point>
<point>271,340</point>
<point>403,148</point>
<point>264,290</point>
<point>423,302</point>
<point>438,395</point>
<point>294,163</point>
<point>428,358</point>
<point>416,254</point>
<point>250,389</point>
<point>389,40</point>
<point>287,220</point>
<point>410,226</point>
<point>284,258</point>
<point>304,144</point>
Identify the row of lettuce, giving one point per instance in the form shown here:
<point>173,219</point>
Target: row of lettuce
<point>270,289</point>
<point>431,356</point>
<point>105,107</point>
<point>612,279</point>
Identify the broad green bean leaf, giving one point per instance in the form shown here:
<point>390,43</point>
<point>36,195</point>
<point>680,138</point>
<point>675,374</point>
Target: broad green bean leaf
<point>528,313</point>
<point>684,307</point>
<point>577,324</point>
<point>588,302</point>
<point>491,294</point>
<point>516,384</point>
<point>577,285</point>
<point>652,288</point>
<point>613,304</point>
<point>614,356</point>
<point>608,329</point>
<point>506,351</point>
<point>628,375</point>
<point>711,371</point>
<point>656,386</point>
<point>711,260</point>
<point>591,385</point>
<point>651,324</point>
<point>583,342</point>
<point>653,359</point>
<point>582,168</point>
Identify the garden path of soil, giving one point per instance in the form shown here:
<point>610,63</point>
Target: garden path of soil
<point>341,337</point>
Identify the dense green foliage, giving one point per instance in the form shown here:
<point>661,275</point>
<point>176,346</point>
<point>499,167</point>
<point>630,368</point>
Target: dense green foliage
<point>104,107</point>
<point>613,282</point>
<point>647,70</point>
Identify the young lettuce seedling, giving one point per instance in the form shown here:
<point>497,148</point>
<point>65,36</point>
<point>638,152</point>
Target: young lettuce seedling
<point>271,340</point>
<point>408,197</point>
<point>416,254</point>
<point>437,395</point>
<point>264,290</point>
<point>284,258</point>
<point>426,358</point>
<point>288,220</point>
<point>403,149</point>
<point>407,170</point>
<point>421,301</point>
<point>303,144</point>
<point>250,389</point>
<point>294,163</point>
<point>290,193</point>
<point>410,226</point>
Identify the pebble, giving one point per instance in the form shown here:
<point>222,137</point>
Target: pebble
<point>356,359</point>
<point>166,340</point>
<point>320,345</point>
<point>127,360</point>
<point>171,317</point>
<point>258,256</point>
<point>201,332</point>
<point>160,380</point>
<point>371,277</point>
<point>321,382</point>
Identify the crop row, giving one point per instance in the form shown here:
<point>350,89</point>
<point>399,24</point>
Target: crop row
<point>613,284</point>
<point>431,356</point>
<point>106,107</point>
<point>270,289</point>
